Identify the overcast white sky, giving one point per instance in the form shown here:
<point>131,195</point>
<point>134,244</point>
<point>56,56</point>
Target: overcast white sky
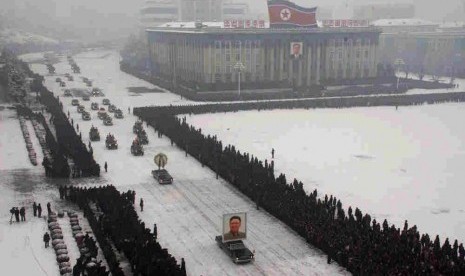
<point>100,18</point>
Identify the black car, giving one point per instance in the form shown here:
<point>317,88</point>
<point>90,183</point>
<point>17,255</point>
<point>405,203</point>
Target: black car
<point>106,102</point>
<point>162,176</point>
<point>236,250</point>
<point>85,98</point>
<point>111,108</point>
<point>68,93</point>
<point>75,102</point>
<point>86,116</point>
<point>94,106</point>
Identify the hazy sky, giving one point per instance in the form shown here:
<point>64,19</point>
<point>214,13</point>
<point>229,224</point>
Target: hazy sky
<point>109,18</point>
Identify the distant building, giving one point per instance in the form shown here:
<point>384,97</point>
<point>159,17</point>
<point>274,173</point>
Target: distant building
<point>381,11</point>
<point>235,11</point>
<point>201,10</point>
<point>440,53</point>
<point>155,13</point>
<point>208,57</point>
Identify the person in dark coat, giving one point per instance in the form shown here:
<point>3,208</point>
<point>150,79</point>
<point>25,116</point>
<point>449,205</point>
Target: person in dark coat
<point>39,210</point>
<point>141,205</point>
<point>22,212</point>
<point>46,239</point>
<point>49,208</point>
<point>17,214</point>
<point>34,208</point>
<point>12,211</point>
<point>106,167</point>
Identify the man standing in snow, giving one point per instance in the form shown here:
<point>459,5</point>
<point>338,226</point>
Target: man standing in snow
<point>141,205</point>
<point>106,167</point>
<point>22,213</point>
<point>272,153</point>
<point>46,239</point>
<point>17,214</point>
<point>49,208</point>
<point>39,210</point>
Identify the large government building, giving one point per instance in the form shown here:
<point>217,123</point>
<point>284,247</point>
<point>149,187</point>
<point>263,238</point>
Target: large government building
<point>210,57</point>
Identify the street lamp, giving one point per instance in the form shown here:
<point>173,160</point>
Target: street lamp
<point>398,63</point>
<point>239,67</point>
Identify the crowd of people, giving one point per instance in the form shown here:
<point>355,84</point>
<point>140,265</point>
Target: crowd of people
<point>114,220</point>
<point>354,240</point>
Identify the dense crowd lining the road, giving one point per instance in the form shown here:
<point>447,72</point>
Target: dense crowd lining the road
<point>360,244</point>
<point>114,221</point>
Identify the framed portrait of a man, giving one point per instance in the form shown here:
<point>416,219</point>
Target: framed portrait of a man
<point>234,226</point>
<point>296,49</point>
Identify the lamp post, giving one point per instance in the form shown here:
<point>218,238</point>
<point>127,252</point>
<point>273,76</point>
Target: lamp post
<point>239,67</point>
<point>398,63</point>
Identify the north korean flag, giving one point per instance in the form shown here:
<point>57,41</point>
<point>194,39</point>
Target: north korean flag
<point>285,14</point>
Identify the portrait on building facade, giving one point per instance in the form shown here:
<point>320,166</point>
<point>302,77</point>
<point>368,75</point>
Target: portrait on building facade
<point>296,49</point>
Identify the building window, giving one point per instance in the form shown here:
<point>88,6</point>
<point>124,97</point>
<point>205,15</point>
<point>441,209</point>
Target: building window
<point>228,57</point>
<point>218,44</point>
<point>357,54</point>
<point>340,55</point>
<point>366,54</point>
<point>359,42</point>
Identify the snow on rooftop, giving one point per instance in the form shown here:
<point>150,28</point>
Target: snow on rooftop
<point>402,22</point>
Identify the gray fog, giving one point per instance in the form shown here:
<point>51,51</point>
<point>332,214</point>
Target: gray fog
<point>94,20</point>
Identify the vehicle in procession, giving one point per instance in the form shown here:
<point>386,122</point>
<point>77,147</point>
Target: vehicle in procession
<point>119,114</point>
<point>231,240</point>
<point>108,121</point>
<point>80,108</point>
<point>102,114</point>
<point>75,102</point>
<point>94,106</point>
<point>111,108</point>
<point>86,116</point>
<point>162,176</point>
<point>67,93</point>
<point>110,142</point>
<point>94,135</point>
<point>137,127</point>
<point>106,101</point>
<point>136,148</point>
<point>236,250</point>
<point>85,98</point>
<point>142,137</point>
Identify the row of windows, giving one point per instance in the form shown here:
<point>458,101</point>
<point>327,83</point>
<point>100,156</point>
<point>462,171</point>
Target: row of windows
<point>340,54</point>
<point>348,42</point>
<point>227,44</point>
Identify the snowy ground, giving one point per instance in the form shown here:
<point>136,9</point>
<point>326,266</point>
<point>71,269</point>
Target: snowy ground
<point>394,164</point>
<point>189,212</point>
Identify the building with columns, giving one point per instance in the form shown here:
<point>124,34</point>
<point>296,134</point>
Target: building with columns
<point>207,58</point>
